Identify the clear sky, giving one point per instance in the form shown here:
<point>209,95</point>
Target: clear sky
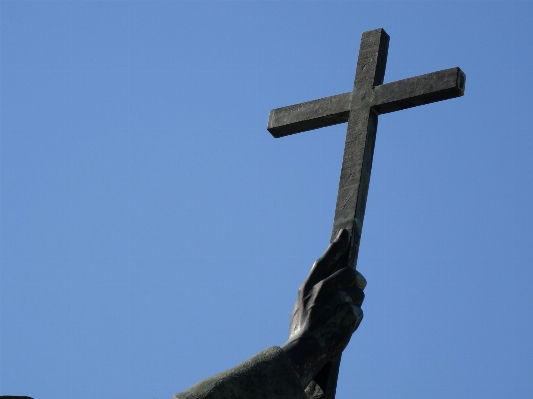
<point>153,232</point>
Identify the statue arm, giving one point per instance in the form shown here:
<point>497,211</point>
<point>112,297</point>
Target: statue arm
<point>326,313</point>
<point>267,375</point>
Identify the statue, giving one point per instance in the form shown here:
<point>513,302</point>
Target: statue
<point>328,308</point>
<point>325,315</point>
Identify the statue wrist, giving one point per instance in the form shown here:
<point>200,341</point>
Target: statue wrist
<point>307,357</point>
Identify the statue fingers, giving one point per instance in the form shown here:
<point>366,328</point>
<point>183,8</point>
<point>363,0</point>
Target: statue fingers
<point>347,277</point>
<point>360,280</point>
<point>353,295</point>
<point>328,262</point>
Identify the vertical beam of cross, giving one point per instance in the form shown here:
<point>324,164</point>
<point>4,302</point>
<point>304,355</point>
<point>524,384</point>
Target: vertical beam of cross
<point>357,163</point>
<point>360,108</point>
<point>360,139</point>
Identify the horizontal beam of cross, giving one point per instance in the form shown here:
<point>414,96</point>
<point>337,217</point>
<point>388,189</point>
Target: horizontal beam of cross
<point>389,97</point>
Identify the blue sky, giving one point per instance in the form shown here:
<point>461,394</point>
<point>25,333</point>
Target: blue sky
<point>154,233</point>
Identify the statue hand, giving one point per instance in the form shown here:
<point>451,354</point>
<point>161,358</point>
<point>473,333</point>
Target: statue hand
<point>326,313</point>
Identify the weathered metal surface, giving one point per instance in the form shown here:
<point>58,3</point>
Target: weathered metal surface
<point>420,90</point>
<point>360,108</point>
<point>310,115</point>
<point>389,97</point>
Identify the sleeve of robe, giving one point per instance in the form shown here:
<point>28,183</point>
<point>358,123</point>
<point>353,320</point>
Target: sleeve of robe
<point>267,375</point>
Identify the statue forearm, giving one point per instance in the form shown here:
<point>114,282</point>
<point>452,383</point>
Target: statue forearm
<point>267,375</point>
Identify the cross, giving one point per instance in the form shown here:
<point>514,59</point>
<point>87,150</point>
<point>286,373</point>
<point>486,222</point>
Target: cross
<point>360,108</point>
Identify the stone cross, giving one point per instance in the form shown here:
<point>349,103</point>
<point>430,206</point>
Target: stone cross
<point>360,108</point>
